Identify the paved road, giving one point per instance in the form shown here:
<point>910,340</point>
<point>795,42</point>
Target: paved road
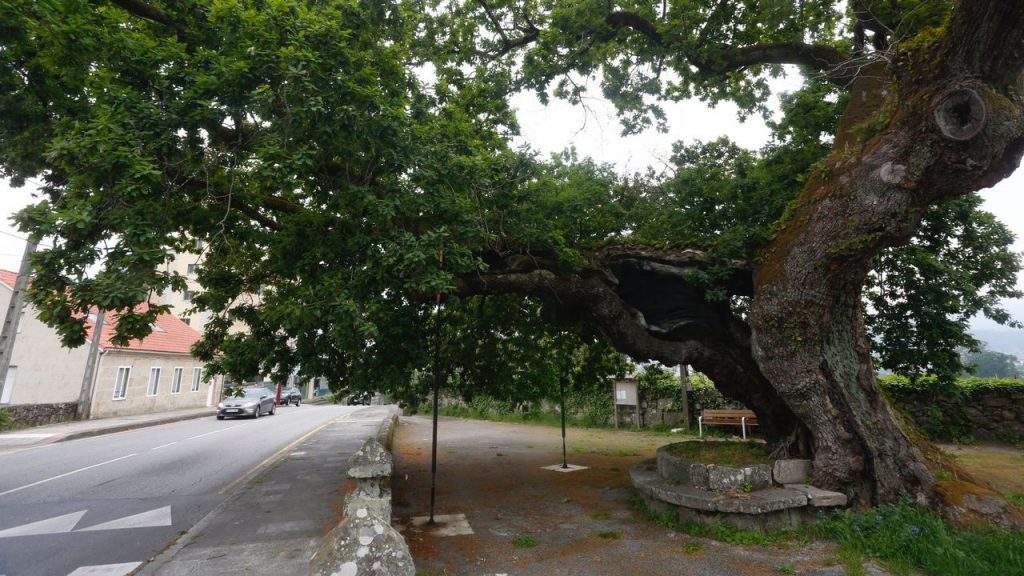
<point>99,506</point>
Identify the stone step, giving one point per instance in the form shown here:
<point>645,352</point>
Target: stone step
<point>817,497</point>
<point>646,479</point>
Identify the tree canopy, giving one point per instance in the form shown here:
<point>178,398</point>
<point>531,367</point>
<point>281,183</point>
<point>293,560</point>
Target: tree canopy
<point>329,177</point>
<point>348,164</point>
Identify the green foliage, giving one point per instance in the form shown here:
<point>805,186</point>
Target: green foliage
<point>922,296</point>
<point>897,384</point>
<point>987,363</point>
<point>904,537</point>
<point>5,420</point>
<point>910,538</point>
<point>524,541</point>
<point>338,186</point>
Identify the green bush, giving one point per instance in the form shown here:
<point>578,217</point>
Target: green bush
<point>5,420</point>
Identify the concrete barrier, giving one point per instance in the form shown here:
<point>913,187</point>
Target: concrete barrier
<point>365,543</point>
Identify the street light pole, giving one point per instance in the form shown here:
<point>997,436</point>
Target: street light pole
<point>9,331</point>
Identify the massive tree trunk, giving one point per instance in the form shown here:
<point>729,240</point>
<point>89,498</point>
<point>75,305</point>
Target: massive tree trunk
<point>951,121</point>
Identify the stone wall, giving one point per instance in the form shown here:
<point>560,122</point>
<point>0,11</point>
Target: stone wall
<point>985,414</point>
<point>27,415</point>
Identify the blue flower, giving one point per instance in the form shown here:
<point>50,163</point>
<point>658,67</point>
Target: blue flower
<point>915,530</point>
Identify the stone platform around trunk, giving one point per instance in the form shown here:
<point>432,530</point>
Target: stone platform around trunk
<point>756,496</point>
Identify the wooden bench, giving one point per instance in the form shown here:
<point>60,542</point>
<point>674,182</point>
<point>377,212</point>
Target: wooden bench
<point>741,418</point>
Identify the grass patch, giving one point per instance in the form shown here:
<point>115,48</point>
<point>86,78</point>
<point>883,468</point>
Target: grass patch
<point>5,420</point>
<point>608,535</point>
<point>524,541</point>
<point>786,569</point>
<point>728,453</point>
<point>692,547</point>
<point>905,538</point>
<point>1017,498</point>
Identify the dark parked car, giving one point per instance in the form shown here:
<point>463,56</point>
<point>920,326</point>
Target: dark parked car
<point>253,402</point>
<point>291,395</point>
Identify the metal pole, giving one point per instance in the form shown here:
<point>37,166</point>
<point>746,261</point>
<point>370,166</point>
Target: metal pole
<point>9,332</point>
<point>89,378</point>
<point>437,386</point>
<point>562,389</point>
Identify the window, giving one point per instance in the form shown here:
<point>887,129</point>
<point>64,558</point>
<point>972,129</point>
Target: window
<point>176,381</point>
<point>188,295</point>
<point>191,269</point>
<point>197,377</point>
<point>199,245</point>
<point>154,381</point>
<point>121,383</point>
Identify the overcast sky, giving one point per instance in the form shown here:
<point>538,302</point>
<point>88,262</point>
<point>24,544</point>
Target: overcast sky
<point>595,132</point>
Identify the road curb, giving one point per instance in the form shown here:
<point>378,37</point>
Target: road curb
<point>132,426</point>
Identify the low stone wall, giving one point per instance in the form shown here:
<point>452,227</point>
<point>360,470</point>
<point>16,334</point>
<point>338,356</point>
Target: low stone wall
<point>365,543</point>
<point>28,415</point>
<point>987,414</point>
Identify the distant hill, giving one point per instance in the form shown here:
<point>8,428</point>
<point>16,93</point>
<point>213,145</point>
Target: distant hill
<point>1005,340</point>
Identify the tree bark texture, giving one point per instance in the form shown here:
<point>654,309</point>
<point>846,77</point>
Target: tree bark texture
<point>950,120</point>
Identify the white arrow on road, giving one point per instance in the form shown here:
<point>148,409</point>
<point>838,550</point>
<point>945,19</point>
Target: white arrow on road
<point>158,517</point>
<point>55,525</point>
<point>106,569</point>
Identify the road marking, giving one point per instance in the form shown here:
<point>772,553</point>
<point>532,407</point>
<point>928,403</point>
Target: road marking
<point>37,483</point>
<point>106,569</point>
<point>165,445</point>
<point>214,432</point>
<point>55,525</point>
<point>153,518</point>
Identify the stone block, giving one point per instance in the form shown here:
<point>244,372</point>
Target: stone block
<point>761,501</point>
<point>360,505</point>
<point>817,497</point>
<point>791,471</point>
<point>372,460</point>
<point>363,546</point>
<point>672,468</point>
<point>757,476</point>
<point>699,475</point>
<point>725,478</point>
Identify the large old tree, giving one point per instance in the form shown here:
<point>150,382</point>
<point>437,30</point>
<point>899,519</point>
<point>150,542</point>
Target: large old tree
<point>346,160</point>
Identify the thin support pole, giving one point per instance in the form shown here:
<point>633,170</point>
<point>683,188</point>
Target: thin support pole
<point>437,386</point>
<point>85,395</point>
<point>743,424</point>
<point>565,463</point>
<point>9,331</point>
<point>433,453</point>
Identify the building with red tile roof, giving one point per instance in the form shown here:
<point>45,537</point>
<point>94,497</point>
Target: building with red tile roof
<point>156,373</point>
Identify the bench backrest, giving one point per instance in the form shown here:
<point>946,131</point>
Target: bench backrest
<point>728,416</point>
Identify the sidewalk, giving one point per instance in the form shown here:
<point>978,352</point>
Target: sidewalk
<point>274,517</point>
<point>39,435</point>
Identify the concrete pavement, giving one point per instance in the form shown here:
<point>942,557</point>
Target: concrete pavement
<point>103,505</point>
